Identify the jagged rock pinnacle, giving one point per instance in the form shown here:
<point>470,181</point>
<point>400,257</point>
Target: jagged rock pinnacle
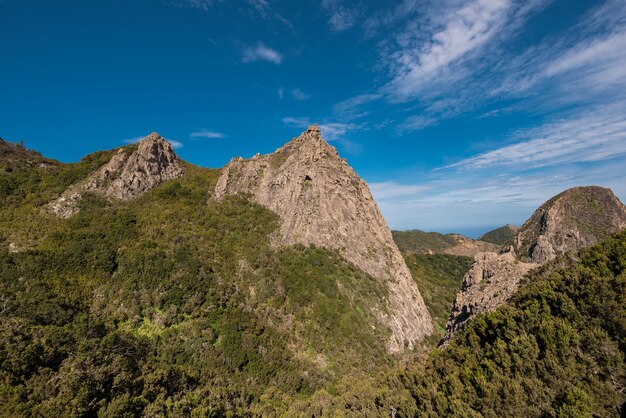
<point>127,175</point>
<point>322,201</point>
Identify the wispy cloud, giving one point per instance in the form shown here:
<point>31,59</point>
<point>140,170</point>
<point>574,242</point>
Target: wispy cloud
<point>340,17</point>
<point>390,189</point>
<point>298,94</point>
<point>593,135</point>
<point>420,62</point>
<point>204,133</point>
<point>416,123</point>
<point>261,52</point>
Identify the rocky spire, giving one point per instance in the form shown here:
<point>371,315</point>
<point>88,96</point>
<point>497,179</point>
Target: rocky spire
<point>322,201</point>
<point>128,174</point>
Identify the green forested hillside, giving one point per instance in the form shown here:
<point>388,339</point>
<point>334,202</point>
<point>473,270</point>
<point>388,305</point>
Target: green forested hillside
<point>439,278</point>
<point>177,305</point>
<point>421,242</point>
<point>557,350</point>
<point>171,304</point>
<point>500,236</point>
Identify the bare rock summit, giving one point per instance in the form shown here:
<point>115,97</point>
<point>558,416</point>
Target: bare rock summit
<point>576,218</point>
<point>129,173</point>
<point>322,201</point>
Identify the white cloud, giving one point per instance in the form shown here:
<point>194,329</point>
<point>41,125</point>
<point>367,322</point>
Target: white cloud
<point>390,189</point>
<point>281,93</point>
<point>594,135</point>
<point>175,144</point>
<point>133,140</point>
<point>416,123</point>
<point>340,18</point>
<point>298,94</point>
<point>207,134</point>
<point>420,61</point>
<point>261,52</point>
<point>350,107</point>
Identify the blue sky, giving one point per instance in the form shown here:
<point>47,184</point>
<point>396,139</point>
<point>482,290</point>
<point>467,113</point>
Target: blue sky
<point>461,115</point>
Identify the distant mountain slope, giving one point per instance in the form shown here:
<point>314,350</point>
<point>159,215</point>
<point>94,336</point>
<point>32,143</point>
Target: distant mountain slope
<point>416,241</point>
<point>439,278</point>
<point>501,236</point>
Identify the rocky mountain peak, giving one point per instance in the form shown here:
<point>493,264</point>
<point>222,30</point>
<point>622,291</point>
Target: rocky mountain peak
<point>322,201</point>
<point>130,172</point>
<point>576,218</point>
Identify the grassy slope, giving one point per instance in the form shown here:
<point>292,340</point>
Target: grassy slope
<point>169,304</point>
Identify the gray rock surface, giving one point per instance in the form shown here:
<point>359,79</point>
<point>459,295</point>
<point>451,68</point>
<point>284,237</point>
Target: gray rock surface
<point>322,201</point>
<point>127,175</point>
<point>490,282</point>
<point>577,218</point>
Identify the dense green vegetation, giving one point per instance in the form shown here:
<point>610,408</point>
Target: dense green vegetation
<point>416,241</point>
<point>557,350</point>
<point>439,278</point>
<point>177,305</point>
<point>172,304</point>
<point>500,236</point>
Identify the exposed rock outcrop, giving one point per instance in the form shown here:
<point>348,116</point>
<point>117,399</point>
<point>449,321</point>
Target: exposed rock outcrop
<point>322,201</point>
<point>127,175</point>
<point>577,218</point>
<point>490,282</point>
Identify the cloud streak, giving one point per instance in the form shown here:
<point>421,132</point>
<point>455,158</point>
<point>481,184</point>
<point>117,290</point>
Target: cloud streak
<point>594,135</point>
<point>207,134</point>
<point>261,53</point>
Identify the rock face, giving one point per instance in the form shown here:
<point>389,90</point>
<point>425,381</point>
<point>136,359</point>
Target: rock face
<point>126,176</point>
<point>490,282</point>
<point>322,201</point>
<point>574,219</point>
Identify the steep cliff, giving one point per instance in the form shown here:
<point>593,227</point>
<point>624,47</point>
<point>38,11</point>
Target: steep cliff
<point>322,201</point>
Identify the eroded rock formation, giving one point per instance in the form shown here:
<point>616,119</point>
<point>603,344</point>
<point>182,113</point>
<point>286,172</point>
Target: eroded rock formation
<point>127,175</point>
<point>322,201</point>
